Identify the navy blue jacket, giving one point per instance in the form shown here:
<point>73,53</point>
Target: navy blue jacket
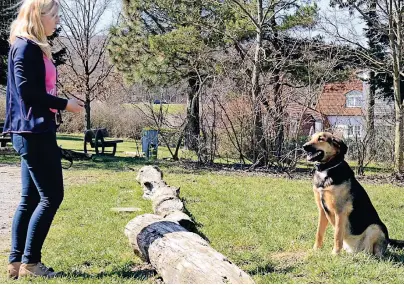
<point>27,103</point>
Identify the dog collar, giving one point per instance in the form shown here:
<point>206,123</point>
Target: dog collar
<point>328,165</point>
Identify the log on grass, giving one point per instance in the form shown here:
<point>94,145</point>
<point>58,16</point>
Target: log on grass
<point>180,256</point>
<point>166,199</point>
<point>164,239</point>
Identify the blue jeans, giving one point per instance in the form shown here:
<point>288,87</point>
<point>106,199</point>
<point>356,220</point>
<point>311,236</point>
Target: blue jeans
<point>41,195</point>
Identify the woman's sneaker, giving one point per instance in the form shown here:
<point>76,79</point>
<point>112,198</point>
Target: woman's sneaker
<point>12,270</point>
<point>36,270</point>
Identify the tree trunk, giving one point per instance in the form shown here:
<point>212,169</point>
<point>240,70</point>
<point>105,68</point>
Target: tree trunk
<point>279,124</point>
<point>88,113</point>
<point>370,117</point>
<point>213,136</point>
<point>396,45</point>
<point>398,140</point>
<point>373,41</point>
<point>192,130</point>
<point>178,255</point>
<point>177,147</point>
<point>259,143</point>
<point>279,127</point>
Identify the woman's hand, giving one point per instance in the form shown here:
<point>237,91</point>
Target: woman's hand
<point>74,106</point>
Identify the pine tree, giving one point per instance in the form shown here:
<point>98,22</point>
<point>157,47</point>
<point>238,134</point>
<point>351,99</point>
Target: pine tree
<point>8,10</point>
<point>162,43</point>
<point>59,57</point>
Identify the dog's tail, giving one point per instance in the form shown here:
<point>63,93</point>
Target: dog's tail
<point>396,243</point>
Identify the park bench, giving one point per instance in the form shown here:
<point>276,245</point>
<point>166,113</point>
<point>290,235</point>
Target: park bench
<point>4,138</point>
<point>97,140</point>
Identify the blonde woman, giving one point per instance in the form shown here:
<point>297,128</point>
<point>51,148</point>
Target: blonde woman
<point>32,104</point>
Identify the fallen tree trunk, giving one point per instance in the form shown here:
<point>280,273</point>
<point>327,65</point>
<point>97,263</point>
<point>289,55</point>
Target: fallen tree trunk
<point>178,255</point>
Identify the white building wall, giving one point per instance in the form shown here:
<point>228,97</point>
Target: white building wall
<point>384,116</point>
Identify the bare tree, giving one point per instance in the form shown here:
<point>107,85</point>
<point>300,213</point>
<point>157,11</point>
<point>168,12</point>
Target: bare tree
<point>86,39</point>
<point>388,23</point>
<point>171,127</point>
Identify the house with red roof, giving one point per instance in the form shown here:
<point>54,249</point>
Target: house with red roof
<point>303,120</point>
<point>343,108</point>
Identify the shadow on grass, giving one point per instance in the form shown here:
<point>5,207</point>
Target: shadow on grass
<point>71,138</point>
<point>261,270</point>
<point>9,156</point>
<point>193,227</point>
<point>377,169</point>
<point>102,162</point>
<point>396,257</point>
<point>126,273</point>
<point>108,162</point>
<point>105,162</point>
<point>270,268</point>
<point>120,163</point>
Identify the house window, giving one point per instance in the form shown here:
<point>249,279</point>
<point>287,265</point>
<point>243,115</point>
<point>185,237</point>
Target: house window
<point>354,131</point>
<point>318,126</point>
<point>341,130</point>
<point>293,127</point>
<point>353,99</point>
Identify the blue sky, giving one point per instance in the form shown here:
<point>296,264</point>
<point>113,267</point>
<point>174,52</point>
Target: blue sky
<point>111,14</point>
<point>350,26</point>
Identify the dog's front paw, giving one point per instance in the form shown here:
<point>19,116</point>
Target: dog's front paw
<point>336,251</point>
<point>316,246</point>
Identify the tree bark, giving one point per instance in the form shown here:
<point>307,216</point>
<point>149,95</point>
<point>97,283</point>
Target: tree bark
<point>396,44</point>
<point>87,106</point>
<point>279,116</point>
<point>398,140</point>
<point>180,256</point>
<point>370,117</point>
<point>193,126</point>
<point>258,143</point>
<point>370,114</point>
<point>163,239</point>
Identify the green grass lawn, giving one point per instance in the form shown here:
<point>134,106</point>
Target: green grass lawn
<point>265,225</point>
<point>128,148</point>
<point>132,147</point>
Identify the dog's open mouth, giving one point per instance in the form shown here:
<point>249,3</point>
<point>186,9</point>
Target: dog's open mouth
<point>315,155</point>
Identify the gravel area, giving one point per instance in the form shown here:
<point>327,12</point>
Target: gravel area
<point>10,189</point>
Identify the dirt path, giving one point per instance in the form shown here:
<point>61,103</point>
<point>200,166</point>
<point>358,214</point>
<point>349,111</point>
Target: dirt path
<point>10,185</point>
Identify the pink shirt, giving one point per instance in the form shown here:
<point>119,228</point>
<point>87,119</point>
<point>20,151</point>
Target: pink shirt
<point>50,78</point>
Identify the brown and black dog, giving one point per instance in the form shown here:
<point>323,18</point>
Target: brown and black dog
<point>343,202</point>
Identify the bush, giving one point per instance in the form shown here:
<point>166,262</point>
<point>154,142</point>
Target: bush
<point>120,121</point>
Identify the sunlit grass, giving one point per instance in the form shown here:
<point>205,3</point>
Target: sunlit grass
<point>265,225</point>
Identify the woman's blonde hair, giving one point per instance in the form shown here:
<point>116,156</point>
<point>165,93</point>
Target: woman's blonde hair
<point>29,25</point>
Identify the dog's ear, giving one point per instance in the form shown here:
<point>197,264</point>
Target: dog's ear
<point>343,148</point>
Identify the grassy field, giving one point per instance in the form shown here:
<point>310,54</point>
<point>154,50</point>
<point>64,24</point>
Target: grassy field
<point>265,225</point>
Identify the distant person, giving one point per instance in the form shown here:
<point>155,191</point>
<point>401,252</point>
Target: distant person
<point>31,119</point>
